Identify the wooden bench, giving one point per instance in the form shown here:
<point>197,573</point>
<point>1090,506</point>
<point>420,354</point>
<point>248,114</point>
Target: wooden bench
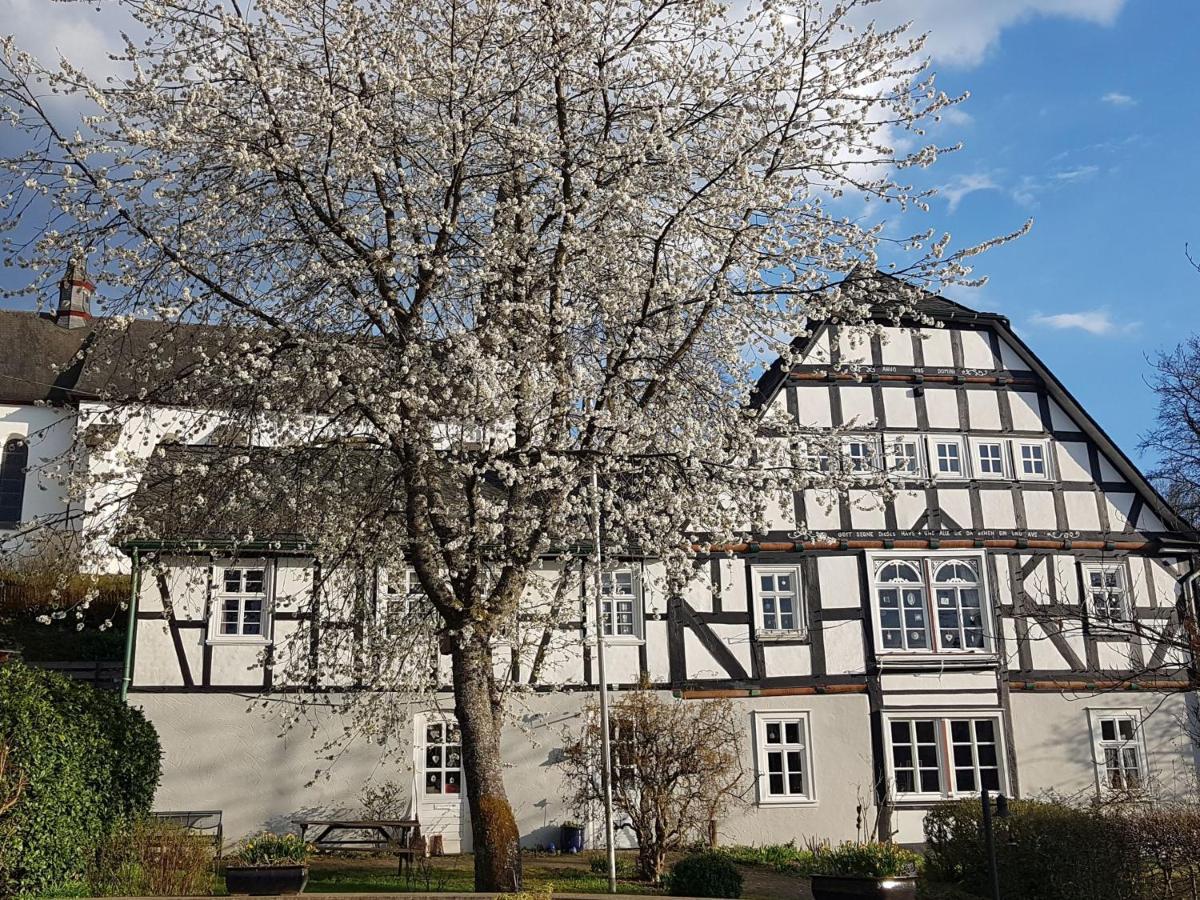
<point>396,835</point>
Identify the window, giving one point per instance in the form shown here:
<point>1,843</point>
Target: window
<point>959,614</point>
<point>904,456</point>
<point>443,758</point>
<point>1031,460</point>
<point>813,456</point>
<point>989,459</point>
<point>13,463</point>
<point>620,602</point>
<point>784,763</point>
<point>1117,750</point>
<point>903,588</point>
<point>241,603</point>
<point>777,601</point>
<point>398,590</point>
<point>861,455</point>
<point>946,458</point>
<point>944,756</point>
<point>1107,593</point>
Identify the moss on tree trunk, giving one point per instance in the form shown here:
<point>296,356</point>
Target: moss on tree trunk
<point>493,826</point>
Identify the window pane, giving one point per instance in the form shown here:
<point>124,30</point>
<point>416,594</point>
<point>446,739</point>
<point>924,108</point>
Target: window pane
<point>773,732</point>
<point>985,730</point>
<point>900,732</point>
<point>792,732</point>
<point>990,779</point>
<point>964,779</point>
<point>233,581</point>
<point>960,731</point>
<point>433,733</point>
<point>433,757</point>
<point>931,783</point>
<point>1125,727</point>
<point>925,731</point>
<point>1108,730</point>
<point>452,782</point>
<point>229,617</point>
<point>433,782</point>
<point>254,581</point>
<point>775,780</point>
<point>905,782</point>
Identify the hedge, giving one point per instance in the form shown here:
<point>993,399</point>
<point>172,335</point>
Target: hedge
<point>1053,851</point>
<point>90,762</point>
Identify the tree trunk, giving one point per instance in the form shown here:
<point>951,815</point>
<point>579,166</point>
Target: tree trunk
<point>493,827</point>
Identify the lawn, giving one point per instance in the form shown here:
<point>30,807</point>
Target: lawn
<point>567,874</point>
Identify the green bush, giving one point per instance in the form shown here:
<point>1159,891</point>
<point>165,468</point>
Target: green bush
<point>89,761</point>
<point>270,849</point>
<point>708,874</point>
<point>867,860</point>
<point>1044,851</point>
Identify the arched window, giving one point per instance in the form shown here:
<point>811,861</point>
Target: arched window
<point>12,480</point>
<point>900,591</point>
<point>960,617</point>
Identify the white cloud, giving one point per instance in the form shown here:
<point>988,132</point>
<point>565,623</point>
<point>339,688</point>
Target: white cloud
<point>961,32</point>
<point>1093,321</point>
<point>963,185</point>
<point>1116,98</point>
<point>1079,173</point>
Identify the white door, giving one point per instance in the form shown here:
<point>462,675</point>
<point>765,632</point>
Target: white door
<point>441,801</point>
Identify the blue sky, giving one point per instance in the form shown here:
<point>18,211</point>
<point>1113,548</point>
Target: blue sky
<point>1083,114</point>
<point>1092,128</point>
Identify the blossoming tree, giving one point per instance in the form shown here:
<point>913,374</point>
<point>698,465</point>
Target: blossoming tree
<point>503,245</point>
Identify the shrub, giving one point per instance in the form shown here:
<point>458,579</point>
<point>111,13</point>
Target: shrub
<point>1044,851</point>
<point>269,849</point>
<point>867,860</point>
<point>88,762</point>
<point>709,874</point>
<point>150,858</point>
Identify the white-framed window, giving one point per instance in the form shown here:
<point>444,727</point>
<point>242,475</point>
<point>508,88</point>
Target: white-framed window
<point>946,457</point>
<point>399,590</point>
<point>1117,750</point>
<point>783,742</point>
<point>1107,589</point>
<point>1031,459</point>
<point>240,608</point>
<point>778,601</point>
<point>941,755</point>
<point>442,760</point>
<point>621,604</point>
<point>903,454</point>
<point>991,459</point>
<point>813,456</point>
<point>906,619</point>
<point>861,454</point>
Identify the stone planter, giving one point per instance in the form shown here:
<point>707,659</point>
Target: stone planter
<point>265,880</point>
<point>851,887</point>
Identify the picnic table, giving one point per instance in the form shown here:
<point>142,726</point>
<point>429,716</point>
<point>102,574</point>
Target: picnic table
<point>348,834</point>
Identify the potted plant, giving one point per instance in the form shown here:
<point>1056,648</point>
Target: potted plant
<point>268,863</point>
<point>572,837</point>
<point>865,871</point>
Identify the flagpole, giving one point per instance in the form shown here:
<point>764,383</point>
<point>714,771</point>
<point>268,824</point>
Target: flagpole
<point>605,744</point>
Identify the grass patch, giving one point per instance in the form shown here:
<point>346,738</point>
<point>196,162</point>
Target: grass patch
<point>786,858</point>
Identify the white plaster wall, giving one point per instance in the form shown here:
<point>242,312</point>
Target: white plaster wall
<point>218,754</point>
<point>1054,745</point>
<point>49,432</point>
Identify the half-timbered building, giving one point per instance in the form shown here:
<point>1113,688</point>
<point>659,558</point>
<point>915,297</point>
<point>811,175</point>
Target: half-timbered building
<point>1011,613</point>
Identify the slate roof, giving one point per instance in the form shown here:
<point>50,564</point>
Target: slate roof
<point>210,494</point>
<point>117,359</point>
